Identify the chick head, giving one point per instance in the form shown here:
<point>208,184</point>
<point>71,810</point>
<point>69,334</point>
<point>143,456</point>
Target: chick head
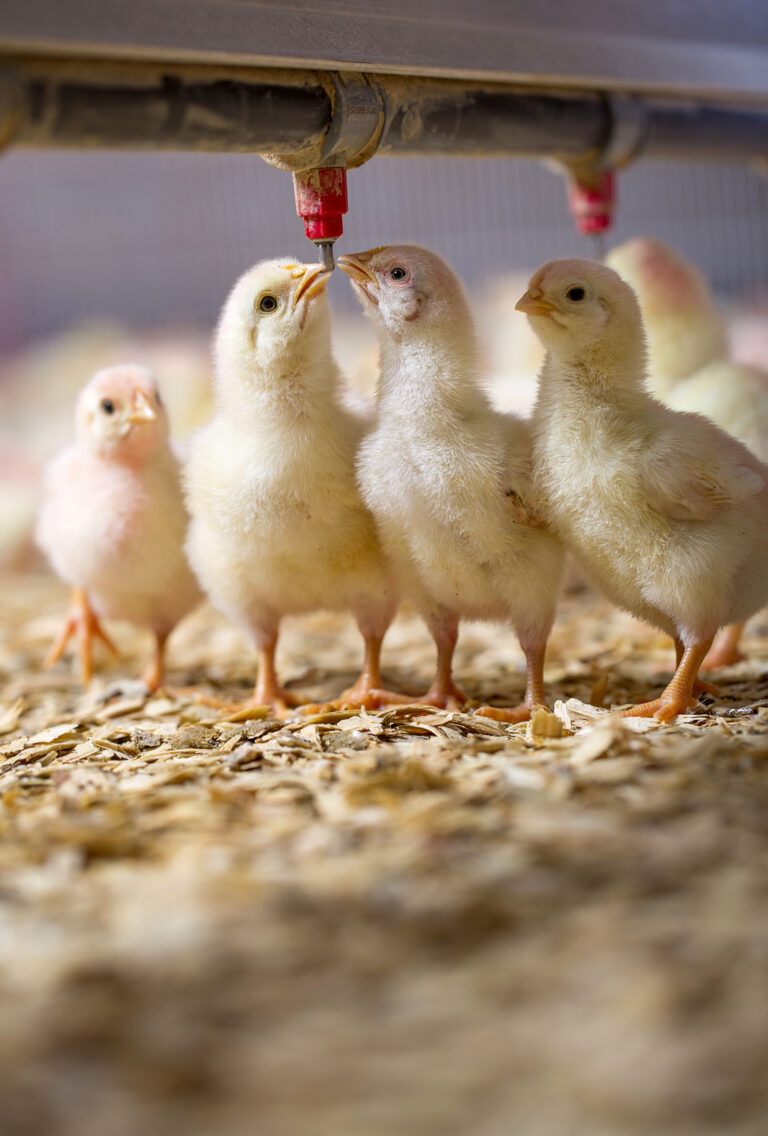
<point>578,307</point>
<point>276,309</point>
<point>662,279</point>
<point>120,413</point>
<point>685,330</point>
<point>408,289</point>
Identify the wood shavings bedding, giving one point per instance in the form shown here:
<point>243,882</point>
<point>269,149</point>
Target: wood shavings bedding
<point>359,923</point>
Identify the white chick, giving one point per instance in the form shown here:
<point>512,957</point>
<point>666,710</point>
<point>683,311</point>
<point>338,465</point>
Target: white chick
<point>113,522</point>
<point>278,526</point>
<point>691,368</point>
<point>666,513</point>
<point>447,477</point>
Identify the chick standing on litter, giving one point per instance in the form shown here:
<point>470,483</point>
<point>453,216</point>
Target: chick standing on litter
<point>667,513</point>
<point>113,521</point>
<point>278,526</point>
<point>690,362</point>
<point>447,477</point>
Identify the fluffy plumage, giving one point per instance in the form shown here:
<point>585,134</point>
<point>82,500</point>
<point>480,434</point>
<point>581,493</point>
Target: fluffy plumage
<point>113,521</point>
<point>667,513</point>
<point>690,363</point>
<point>278,526</point>
<point>447,478</point>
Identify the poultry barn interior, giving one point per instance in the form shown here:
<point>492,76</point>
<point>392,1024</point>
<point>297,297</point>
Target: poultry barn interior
<point>351,921</point>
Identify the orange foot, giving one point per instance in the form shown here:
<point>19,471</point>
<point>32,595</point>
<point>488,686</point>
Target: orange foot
<point>278,703</point>
<point>81,621</point>
<point>701,687</point>
<point>663,709</point>
<point>446,696</point>
<point>367,696</point>
<point>513,714</point>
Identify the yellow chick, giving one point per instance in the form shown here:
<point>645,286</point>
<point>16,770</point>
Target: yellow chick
<point>446,476</point>
<point>665,512</point>
<point>278,526</point>
<point>690,363</point>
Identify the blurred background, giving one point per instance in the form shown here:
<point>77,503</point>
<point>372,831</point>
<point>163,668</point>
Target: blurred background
<point>114,256</point>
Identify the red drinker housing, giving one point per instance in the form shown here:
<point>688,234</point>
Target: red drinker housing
<point>321,200</point>
<point>592,203</point>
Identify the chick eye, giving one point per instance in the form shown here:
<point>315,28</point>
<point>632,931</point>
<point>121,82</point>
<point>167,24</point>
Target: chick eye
<point>576,294</point>
<point>268,303</point>
<point>398,272</point>
<point>108,406</point>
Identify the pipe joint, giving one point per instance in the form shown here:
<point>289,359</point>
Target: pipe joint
<point>358,114</point>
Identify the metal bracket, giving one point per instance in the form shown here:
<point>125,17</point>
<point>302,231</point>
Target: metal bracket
<point>628,133</point>
<point>358,114</point>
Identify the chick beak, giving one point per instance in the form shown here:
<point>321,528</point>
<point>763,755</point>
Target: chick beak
<point>357,270</point>
<point>143,410</point>
<point>312,282</point>
<point>533,306</point>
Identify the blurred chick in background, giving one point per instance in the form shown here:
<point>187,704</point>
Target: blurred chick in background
<point>667,513</point>
<point>113,522</point>
<point>447,477</point>
<point>29,439</point>
<point>278,526</point>
<point>690,362</point>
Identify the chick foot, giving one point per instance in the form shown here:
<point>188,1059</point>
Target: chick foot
<point>368,692</point>
<point>83,622</point>
<point>701,687</point>
<point>513,714</point>
<point>369,697</point>
<point>677,696</point>
<point>725,652</point>
<point>534,687</point>
<point>444,695</point>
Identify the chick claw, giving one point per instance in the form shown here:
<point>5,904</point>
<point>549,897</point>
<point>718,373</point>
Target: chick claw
<point>512,714</point>
<point>81,621</point>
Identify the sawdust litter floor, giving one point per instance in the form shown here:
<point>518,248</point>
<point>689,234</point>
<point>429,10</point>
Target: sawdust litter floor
<point>361,925</point>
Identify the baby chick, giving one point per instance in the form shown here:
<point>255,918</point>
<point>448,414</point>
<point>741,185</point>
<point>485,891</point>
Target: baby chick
<point>666,512</point>
<point>447,477</point>
<point>683,326</point>
<point>278,526</point>
<point>690,362</point>
<point>113,522</point>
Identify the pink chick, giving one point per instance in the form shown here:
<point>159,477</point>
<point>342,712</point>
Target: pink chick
<point>113,521</point>
<point>447,477</point>
<point>666,513</point>
<point>691,367</point>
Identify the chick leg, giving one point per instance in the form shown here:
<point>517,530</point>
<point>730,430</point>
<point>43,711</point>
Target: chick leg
<point>699,686</point>
<point>268,694</point>
<point>81,621</point>
<point>676,697</point>
<point>154,673</point>
<point>726,651</point>
<point>368,690</point>
<point>443,692</point>
<point>534,687</point>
